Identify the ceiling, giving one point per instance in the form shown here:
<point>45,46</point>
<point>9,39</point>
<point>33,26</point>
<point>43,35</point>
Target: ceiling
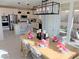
<point>19,3</point>
<point>65,6</point>
<point>23,3</point>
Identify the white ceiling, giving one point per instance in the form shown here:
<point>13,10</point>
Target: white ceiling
<point>65,6</point>
<point>23,3</point>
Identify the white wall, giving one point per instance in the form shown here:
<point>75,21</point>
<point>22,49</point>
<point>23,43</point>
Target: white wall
<point>1,30</point>
<point>6,11</point>
<point>51,23</point>
<point>64,19</point>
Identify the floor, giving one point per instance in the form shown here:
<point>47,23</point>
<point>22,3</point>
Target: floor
<point>11,46</point>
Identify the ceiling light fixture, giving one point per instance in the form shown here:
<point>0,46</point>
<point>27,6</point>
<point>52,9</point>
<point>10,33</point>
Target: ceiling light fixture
<point>47,8</point>
<point>44,0</point>
<point>19,3</point>
<point>28,4</point>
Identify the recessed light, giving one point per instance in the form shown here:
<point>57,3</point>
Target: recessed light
<point>28,4</point>
<point>44,0</point>
<point>19,12</point>
<point>19,2</point>
<point>28,12</point>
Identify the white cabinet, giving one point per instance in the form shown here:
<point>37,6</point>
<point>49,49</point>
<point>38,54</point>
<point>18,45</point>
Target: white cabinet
<point>17,29</point>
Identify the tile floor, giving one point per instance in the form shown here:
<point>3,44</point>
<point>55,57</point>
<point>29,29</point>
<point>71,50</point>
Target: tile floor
<point>11,45</point>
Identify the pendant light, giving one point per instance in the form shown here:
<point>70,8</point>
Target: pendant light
<point>47,8</point>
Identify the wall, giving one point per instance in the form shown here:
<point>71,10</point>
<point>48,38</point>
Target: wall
<point>51,23</point>
<point>1,30</point>
<point>6,11</point>
<point>64,20</point>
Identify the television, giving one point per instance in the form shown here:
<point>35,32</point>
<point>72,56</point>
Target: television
<point>23,16</point>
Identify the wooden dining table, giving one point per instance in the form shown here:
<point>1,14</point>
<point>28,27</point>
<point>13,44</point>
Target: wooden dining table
<point>52,52</point>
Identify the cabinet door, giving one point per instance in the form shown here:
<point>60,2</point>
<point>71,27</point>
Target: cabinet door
<point>17,29</point>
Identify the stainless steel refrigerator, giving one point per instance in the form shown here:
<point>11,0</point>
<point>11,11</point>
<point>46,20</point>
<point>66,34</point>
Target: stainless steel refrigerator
<point>12,20</point>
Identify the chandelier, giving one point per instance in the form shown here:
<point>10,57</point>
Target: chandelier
<point>47,8</point>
